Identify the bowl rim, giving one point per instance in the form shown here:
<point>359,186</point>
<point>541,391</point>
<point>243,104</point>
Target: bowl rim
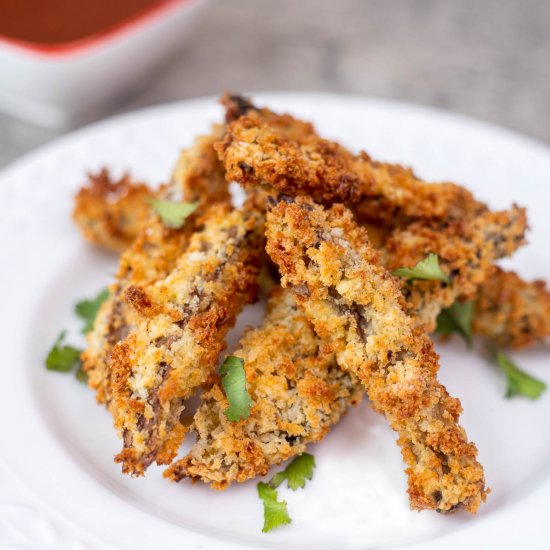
<point>131,25</point>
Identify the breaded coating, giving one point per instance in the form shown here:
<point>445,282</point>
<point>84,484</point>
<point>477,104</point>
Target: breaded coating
<point>464,240</point>
<point>511,312</point>
<point>283,153</point>
<point>223,455</point>
<point>298,392</point>
<point>467,250</point>
<point>174,348</point>
<point>199,177</point>
<point>237,106</point>
<point>110,213</point>
<point>355,304</point>
<point>198,174</point>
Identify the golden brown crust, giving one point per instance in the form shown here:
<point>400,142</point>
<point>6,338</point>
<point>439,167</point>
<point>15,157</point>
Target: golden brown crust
<point>467,250</point>
<point>355,304</point>
<point>292,128</point>
<point>174,348</point>
<point>511,312</point>
<point>298,392</point>
<point>278,151</point>
<point>178,292</point>
<point>457,243</point>
<point>110,212</point>
<point>198,176</point>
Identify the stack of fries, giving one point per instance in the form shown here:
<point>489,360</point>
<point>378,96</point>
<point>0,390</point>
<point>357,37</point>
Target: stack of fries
<point>338,324</point>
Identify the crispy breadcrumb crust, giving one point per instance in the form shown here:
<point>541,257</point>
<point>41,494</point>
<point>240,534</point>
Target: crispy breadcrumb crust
<point>286,154</point>
<point>355,304</point>
<point>198,176</point>
<point>237,106</point>
<point>172,319</point>
<point>467,250</point>
<point>298,392</point>
<point>110,212</point>
<point>511,312</point>
<point>457,243</point>
<point>185,318</point>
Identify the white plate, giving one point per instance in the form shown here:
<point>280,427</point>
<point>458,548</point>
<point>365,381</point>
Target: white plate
<point>61,444</point>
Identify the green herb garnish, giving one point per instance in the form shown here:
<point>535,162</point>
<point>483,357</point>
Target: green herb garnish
<point>62,358</point>
<point>519,382</point>
<point>173,214</point>
<point>81,375</point>
<point>456,318</point>
<point>87,309</point>
<point>234,385</point>
<point>275,512</point>
<point>427,269</point>
<point>296,473</point>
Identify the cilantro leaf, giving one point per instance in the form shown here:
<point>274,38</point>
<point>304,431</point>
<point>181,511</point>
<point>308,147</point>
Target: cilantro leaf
<point>457,318</point>
<point>234,385</point>
<point>519,382</point>
<point>81,375</point>
<point>173,214</point>
<point>275,512</point>
<point>427,269</point>
<point>296,473</point>
<point>87,309</point>
<point>62,358</point>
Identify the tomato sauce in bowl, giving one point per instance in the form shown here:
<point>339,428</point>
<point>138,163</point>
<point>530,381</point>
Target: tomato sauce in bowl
<point>59,22</point>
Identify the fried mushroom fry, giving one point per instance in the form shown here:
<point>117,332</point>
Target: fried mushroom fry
<point>286,154</point>
<point>298,392</point>
<point>198,176</point>
<point>356,305</point>
<point>174,348</point>
<point>511,312</point>
<point>467,250</point>
<point>110,213</point>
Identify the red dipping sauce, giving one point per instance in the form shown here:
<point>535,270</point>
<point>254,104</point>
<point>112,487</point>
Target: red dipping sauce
<point>57,22</point>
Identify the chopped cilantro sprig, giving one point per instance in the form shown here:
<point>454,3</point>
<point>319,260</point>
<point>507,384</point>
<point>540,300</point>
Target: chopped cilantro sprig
<point>66,358</point>
<point>519,382</point>
<point>173,214</point>
<point>427,269</point>
<point>296,473</point>
<point>62,358</point>
<point>234,385</point>
<point>457,318</point>
<point>81,375</point>
<point>275,511</point>
<point>87,309</point>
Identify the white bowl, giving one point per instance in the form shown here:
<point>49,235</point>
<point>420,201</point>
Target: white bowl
<point>68,83</point>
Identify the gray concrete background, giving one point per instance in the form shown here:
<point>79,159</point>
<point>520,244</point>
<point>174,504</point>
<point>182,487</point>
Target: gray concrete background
<point>485,58</point>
